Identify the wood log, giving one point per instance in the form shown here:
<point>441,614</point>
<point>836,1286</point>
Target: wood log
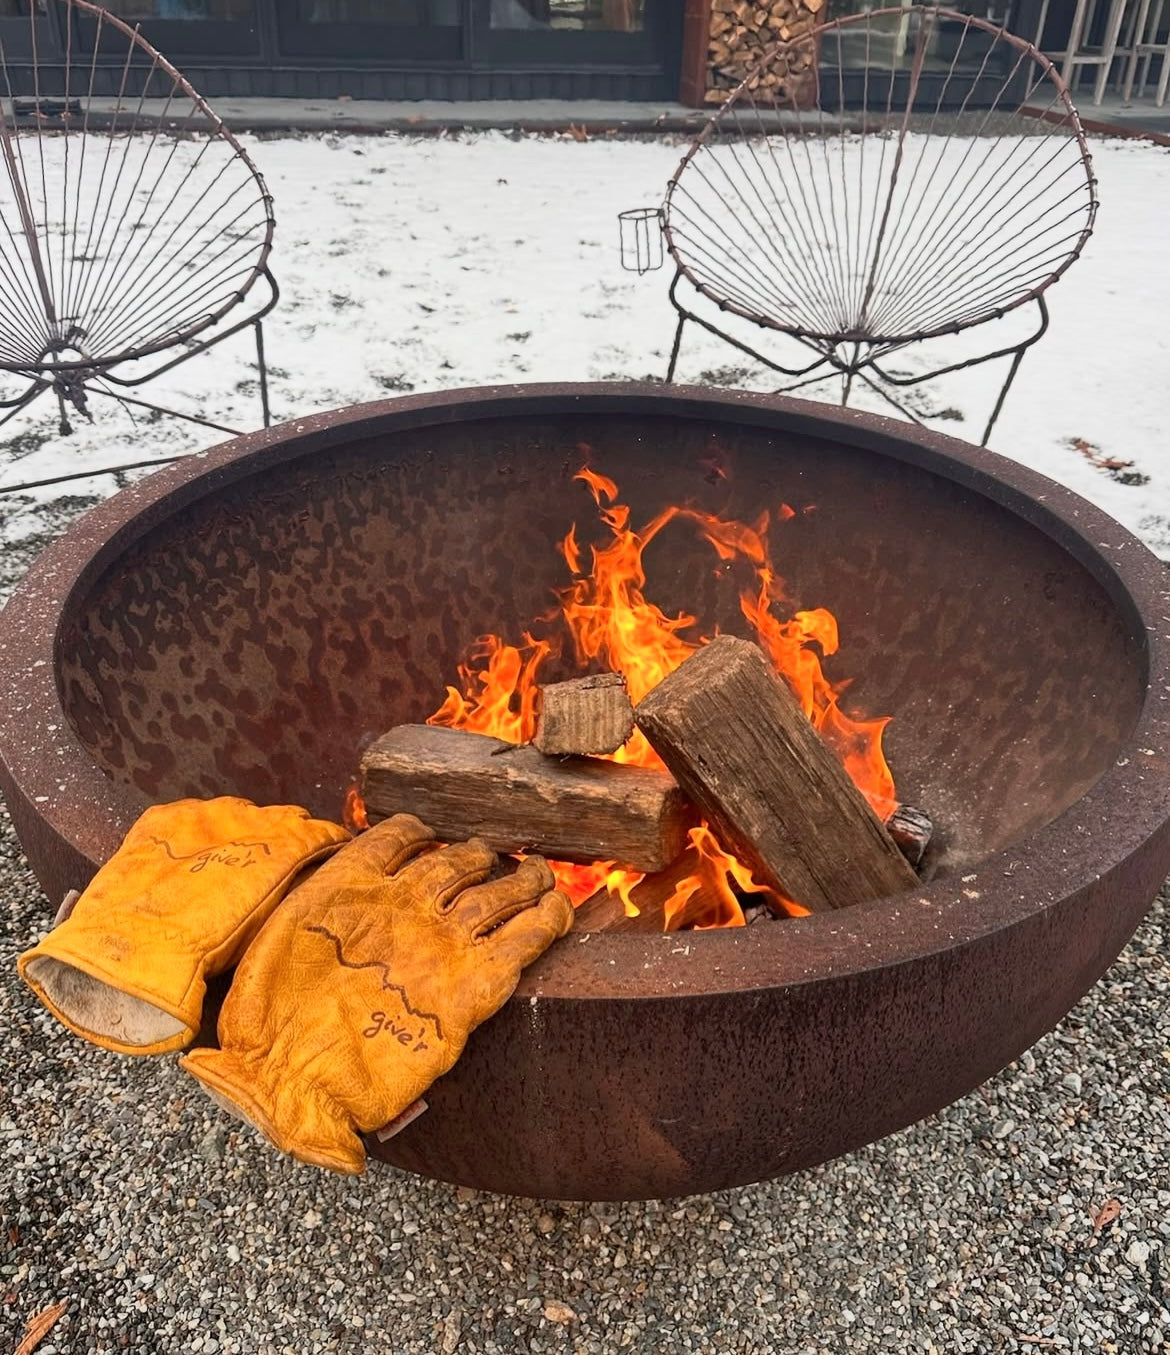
<point>584,715</point>
<point>912,830</point>
<point>742,749</point>
<point>740,32</point>
<point>605,912</point>
<point>574,809</point>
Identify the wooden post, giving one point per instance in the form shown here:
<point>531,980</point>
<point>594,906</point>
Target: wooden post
<point>696,35</point>
<point>742,749</point>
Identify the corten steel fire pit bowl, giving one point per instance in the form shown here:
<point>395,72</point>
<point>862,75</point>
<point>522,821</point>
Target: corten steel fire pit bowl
<point>247,619</point>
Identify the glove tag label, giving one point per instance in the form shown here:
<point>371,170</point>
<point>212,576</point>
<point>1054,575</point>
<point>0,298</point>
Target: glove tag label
<point>399,1122</point>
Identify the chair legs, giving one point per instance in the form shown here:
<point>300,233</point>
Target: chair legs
<point>165,409</point>
<point>682,319</point>
<point>193,350</point>
<point>1017,358</point>
<point>869,373</point>
<point>21,401</point>
<point>263,369</point>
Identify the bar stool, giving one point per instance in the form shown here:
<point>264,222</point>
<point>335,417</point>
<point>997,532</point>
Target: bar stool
<point>1146,45</point>
<point>1077,55</point>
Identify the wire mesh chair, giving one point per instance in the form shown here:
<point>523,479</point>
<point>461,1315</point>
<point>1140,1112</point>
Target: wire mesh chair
<point>878,184</point>
<point>133,225</point>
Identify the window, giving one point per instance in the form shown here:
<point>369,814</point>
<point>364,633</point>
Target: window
<point>590,16</point>
<point>952,45</point>
<point>391,13</point>
<point>224,11</point>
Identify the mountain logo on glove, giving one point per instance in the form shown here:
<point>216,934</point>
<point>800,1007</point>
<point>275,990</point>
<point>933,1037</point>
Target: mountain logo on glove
<point>388,985</point>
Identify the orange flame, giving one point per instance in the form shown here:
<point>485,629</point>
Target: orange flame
<point>613,626</point>
<point>353,815</point>
<point>499,690</point>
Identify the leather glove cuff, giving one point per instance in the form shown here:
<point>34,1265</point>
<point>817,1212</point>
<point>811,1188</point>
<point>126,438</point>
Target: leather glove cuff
<point>297,1117</point>
<point>178,902</point>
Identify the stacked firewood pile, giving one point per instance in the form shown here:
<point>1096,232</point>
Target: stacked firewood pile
<point>742,31</point>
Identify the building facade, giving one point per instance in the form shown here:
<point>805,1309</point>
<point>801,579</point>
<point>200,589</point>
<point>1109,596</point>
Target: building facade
<point>434,49</point>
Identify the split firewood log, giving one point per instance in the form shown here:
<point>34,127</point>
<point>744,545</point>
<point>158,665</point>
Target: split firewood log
<point>569,809</point>
<point>585,715</point>
<point>746,755</point>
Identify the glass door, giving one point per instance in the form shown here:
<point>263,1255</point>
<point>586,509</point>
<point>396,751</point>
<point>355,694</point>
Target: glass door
<point>961,66</point>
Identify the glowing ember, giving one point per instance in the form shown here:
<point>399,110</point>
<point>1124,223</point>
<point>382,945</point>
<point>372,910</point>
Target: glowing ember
<point>612,626</point>
<point>353,815</point>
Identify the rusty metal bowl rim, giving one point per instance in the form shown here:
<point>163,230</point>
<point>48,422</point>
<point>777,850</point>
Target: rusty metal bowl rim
<point>46,767</point>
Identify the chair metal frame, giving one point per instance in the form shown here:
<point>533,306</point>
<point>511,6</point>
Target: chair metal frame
<point>859,354</point>
<point>145,96</point>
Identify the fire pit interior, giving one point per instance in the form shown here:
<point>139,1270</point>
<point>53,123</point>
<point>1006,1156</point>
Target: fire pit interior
<point>248,623</point>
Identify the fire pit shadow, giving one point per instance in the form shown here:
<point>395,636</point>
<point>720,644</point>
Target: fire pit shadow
<point>248,620</point>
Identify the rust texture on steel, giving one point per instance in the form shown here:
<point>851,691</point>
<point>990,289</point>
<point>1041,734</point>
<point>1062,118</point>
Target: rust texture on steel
<point>246,621</point>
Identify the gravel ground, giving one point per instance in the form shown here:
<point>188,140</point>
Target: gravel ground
<point>168,1228</point>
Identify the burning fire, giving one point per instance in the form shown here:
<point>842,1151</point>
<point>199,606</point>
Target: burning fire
<point>611,625</point>
<point>353,815</point>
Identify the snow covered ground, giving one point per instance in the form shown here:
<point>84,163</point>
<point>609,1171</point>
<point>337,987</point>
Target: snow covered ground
<point>418,263</point>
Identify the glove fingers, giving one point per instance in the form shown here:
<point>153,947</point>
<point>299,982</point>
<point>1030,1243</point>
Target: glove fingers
<point>382,849</point>
<point>442,875</point>
<point>519,941</point>
<point>484,907</point>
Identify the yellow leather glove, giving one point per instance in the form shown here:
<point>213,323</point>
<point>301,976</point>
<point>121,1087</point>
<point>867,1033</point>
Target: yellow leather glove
<point>179,901</point>
<point>364,985</point>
